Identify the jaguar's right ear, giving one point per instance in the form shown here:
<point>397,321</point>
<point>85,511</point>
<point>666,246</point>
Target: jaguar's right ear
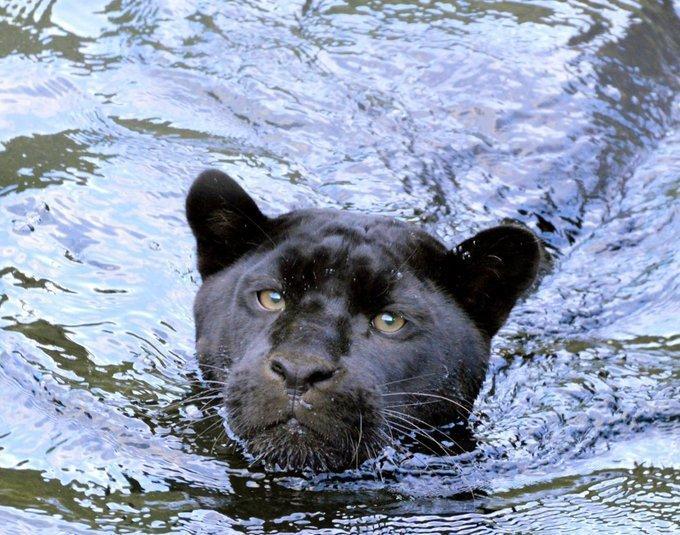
<point>225,221</point>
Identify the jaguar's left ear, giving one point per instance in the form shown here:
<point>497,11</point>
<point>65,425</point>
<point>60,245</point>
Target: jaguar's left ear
<point>491,270</point>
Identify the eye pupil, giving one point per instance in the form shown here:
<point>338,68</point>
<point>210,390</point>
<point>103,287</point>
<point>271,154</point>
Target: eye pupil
<point>275,297</point>
<point>389,319</point>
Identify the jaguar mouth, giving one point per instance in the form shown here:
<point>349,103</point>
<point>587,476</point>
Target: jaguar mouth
<point>292,445</point>
<point>326,433</point>
<point>292,423</point>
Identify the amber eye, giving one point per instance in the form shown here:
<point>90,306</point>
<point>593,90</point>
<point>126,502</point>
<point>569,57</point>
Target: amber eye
<point>271,299</point>
<point>388,322</point>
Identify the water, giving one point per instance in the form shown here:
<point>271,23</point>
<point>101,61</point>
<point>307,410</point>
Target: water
<point>564,115</point>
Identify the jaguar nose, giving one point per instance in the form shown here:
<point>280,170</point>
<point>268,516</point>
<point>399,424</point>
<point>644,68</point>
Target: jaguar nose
<point>301,373</point>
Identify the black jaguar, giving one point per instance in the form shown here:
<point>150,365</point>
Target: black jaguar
<point>331,331</point>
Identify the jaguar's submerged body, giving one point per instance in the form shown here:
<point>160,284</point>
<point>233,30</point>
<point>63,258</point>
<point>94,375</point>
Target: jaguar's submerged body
<point>329,331</point>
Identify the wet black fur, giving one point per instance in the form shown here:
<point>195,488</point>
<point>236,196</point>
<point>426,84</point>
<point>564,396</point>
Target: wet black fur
<point>337,270</point>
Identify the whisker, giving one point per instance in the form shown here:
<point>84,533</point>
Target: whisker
<point>167,407</point>
<point>207,404</point>
<point>212,426</point>
<point>376,463</point>
<point>189,401</point>
<point>437,396</point>
<point>409,378</point>
<point>404,428</point>
<point>186,425</point>
<point>213,367</point>
<point>219,437</point>
<point>356,450</point>
<point>434,428</point>
<point>414,404</point>
<point>448,437</point>
<point>200,382</point>
<point>421,430</point>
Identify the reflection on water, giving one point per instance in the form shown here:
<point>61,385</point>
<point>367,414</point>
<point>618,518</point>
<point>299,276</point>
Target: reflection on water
<point>455,114</point>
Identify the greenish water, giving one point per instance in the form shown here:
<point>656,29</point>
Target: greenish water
<point>564,115</point>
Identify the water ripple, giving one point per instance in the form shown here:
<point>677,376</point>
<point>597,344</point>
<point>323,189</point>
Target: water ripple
<point>562,115</point>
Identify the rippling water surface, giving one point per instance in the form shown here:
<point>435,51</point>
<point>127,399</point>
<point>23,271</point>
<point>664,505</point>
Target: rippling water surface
<point>563,115</point>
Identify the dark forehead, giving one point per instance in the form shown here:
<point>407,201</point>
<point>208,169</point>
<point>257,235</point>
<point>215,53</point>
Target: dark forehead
<point>341,234</point>
<point>367,252</point>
